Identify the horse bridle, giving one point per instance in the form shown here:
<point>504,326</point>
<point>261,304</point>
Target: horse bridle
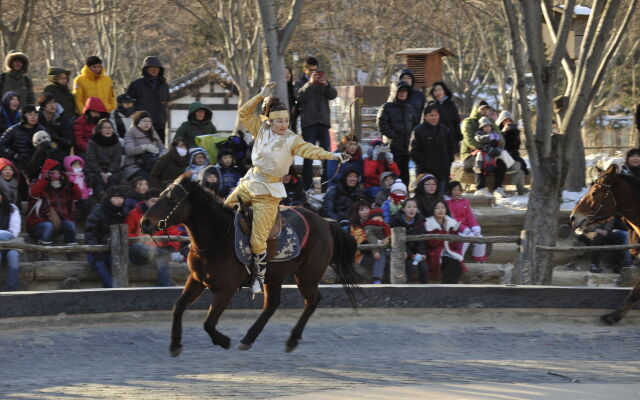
<point>592,218</point>
<point>162,224</point>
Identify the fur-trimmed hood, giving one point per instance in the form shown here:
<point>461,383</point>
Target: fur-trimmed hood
<point>17,55</point>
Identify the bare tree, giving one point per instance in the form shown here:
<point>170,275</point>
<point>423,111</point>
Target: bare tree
<point>549,153</point>
<point>276,40</point>
<point>15,23</point>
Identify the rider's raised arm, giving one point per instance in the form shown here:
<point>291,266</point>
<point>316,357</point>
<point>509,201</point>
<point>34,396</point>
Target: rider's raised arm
<point>248,116</point>
<point>307,150</point>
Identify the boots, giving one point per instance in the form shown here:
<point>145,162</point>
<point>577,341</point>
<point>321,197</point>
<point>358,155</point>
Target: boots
<point>259,268</point>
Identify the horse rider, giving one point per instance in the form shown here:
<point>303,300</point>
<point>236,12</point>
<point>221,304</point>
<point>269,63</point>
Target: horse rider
<point>273,150</point>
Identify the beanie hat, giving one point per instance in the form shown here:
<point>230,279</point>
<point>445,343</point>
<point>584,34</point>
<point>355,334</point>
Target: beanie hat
<point>93,60</point>
<point>484,121</point>
<point>138,116</point>
<point>151,193</point>
<point>398,185</point>
<point>116,191</point>
<point>40,137</point>
<point>376,212</point>
<point>52,72</point>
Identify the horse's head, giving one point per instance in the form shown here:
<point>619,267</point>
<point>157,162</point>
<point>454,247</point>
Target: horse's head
<point>598,204</point>
<point>171,208</point>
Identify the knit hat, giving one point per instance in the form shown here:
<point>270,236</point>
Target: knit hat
<point>40,137</point>
<point>399,185</point>
<point>376,212</point>
<point>483,122</point>
<point>93,60</point>
<point>504,114</point>
<point>151,193</point>
<point>138,116</point>
<point>55,71</point>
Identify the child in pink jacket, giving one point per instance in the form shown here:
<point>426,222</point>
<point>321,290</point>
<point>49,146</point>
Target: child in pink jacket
<point>74,166</point>
<point>461,211</point>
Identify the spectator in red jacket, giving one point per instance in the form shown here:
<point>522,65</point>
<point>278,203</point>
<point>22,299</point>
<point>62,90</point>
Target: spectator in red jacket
<point>147,252</point>
<point>461,211</point>
<point>94,110</point>
<point>51,205</point>
<point>444,258</point>
<point>377,159</point>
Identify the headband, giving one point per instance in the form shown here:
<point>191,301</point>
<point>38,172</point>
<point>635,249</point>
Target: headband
<point>279,114</point>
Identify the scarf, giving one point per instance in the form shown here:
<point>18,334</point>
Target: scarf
<point>104,141</point>
<point>373,222</point>
<point>397,198</point>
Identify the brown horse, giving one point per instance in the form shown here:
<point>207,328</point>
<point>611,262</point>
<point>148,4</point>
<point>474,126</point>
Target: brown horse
<point>610,194</point>
<point>213,263</point>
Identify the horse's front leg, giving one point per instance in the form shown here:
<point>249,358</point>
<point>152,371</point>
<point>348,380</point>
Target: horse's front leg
<point>271,302</point>
<point>192,290</point>
<point>221,298</point>
<point>618,314</point>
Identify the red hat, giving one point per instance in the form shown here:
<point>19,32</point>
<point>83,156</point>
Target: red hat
<point>376,212</point>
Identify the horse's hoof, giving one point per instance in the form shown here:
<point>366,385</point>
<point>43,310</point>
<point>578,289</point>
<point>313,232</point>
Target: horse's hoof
<point>608,319</point>
<point>244,346</point>
<point>290,346</point>
<point>175,351</point>
<point>226,344</point>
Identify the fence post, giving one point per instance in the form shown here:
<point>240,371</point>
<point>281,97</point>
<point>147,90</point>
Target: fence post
<point>120,255</point>
<point>524,273</point>
<point>398,255</point>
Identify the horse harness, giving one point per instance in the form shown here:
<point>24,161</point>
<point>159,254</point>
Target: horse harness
<point>162,224</point>
<point>592,218</point>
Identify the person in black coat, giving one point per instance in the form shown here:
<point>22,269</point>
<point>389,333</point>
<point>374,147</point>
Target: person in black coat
<point>294,187</point>
<point>396,120</point>
<point>410,218</point>
<point>55,123</point>
<point>417,98</point>
<point>448,110</point>
<point>151,93</point>
<point>432,147</point>
<point>339,198</point>
<point>15,143</point>
<point>97,229</point>
<point>291,95</point>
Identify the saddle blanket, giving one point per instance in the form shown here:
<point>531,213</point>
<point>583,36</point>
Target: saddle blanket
<point>291,240</point>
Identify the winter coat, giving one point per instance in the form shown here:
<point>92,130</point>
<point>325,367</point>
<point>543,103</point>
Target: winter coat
<point>390,208</point>
<point>357,232</point>
<point>376,230</point>
<point>88,84</point>
<point>425,201</point>
<point>133,139</point>
<point>384,193</point>
<point>80,179</point>
<point>17,81</point>
<point>133,220</point>
<point>192,127</point>
<point>296,195</point>
<point>44,151</point>
<point>16,145</point>
<point>414,227</point>
<point>62,94</point>
<point>60,199</point>
<point>10,187</point>
<point>417,99</point>
<point>432,150</point>
<point>355,163</point>
<point>202,179</point>
<point>436,248</point>
<point>339,198</point>
<point>230,177</point>
<point>8,117</point>
<point>373,170</point>
<point>168,168</point>
<point>469,127</point>
<point>131,200</point>
<point>631,171</point>
<point>121,121</point>
<point>59,129</point>
<point>151,93</point>
<point>97,229</point>
<point>313,102</point>
<point>396,119</point>
<point>10,222</point>
<point>83,126</point>
<point>462,212</point>
<point>103,154</point>
<point>450,118</point>
<point>192,167</point>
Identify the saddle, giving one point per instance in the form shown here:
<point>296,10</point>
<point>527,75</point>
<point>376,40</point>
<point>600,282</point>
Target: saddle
<point>287,237</point>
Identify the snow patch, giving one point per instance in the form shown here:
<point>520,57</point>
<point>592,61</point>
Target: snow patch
<point>569,200</point>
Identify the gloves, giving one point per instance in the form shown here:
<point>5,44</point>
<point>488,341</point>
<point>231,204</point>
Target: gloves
<point>389,156</point>
<point>176,257</point>
<point>267,89</point>
<point>476,230</point>
<point>417,258</point>
<point>151,148</point>
<point>494,136</point>
<point>342,157</point>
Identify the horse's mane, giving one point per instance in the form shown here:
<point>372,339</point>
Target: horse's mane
<point>210,202</point>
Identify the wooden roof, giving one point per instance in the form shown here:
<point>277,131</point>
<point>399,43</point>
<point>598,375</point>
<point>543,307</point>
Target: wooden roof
<point>425,51</point>
<point>190,83</point>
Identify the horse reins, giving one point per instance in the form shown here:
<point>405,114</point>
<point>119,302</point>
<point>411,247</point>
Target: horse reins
<point>591,218</point>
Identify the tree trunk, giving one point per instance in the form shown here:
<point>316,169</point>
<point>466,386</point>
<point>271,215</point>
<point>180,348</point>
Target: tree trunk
<point>274,71</point>
<point>576,163</point>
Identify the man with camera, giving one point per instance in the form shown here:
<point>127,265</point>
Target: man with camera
<point>314,92</point>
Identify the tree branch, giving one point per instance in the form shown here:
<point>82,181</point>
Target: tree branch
<point>294,15</point>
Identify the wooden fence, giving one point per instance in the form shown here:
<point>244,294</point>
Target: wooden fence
<point>118,247</point>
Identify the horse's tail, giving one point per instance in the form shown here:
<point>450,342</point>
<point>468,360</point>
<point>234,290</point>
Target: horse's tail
<point>344,252</point>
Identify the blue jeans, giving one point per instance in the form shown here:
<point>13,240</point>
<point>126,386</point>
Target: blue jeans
<point>315,133</point>
<point>44,231</point>
<point>140,253</point>
<point>13,267</point>
<point>102,263</point>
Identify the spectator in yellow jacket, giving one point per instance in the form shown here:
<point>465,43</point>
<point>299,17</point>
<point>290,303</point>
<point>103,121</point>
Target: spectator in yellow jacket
<point>93,82</point>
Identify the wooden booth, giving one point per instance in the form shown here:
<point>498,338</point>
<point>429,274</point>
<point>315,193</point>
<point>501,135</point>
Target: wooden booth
<point>426,64</point>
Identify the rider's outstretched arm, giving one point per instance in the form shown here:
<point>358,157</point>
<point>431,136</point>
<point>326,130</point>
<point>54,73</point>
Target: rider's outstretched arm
<point>248,116</point>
